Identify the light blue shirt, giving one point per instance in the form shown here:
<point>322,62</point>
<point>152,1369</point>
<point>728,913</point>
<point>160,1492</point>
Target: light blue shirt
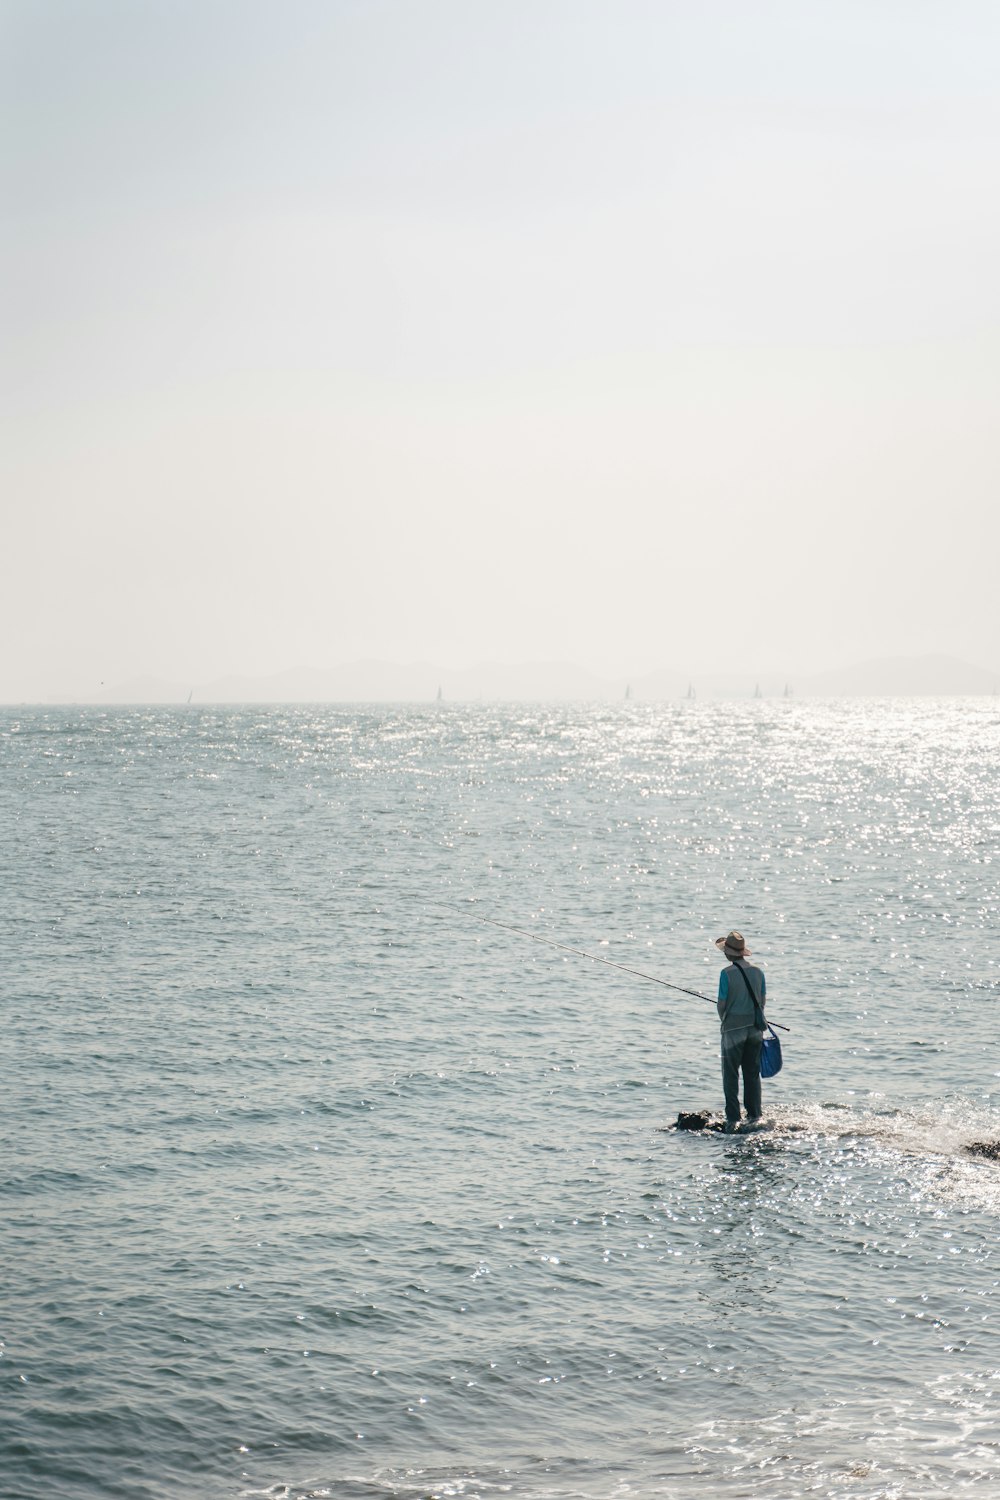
<point>734,1005</point>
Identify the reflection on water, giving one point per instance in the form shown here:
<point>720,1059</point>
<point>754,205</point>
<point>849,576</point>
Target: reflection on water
<point>313,1186</point>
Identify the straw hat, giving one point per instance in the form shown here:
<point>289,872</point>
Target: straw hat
<point>733,946</point>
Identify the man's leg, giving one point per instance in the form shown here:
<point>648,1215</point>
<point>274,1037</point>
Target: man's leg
<point>731,1078</point>
<point>751,1076</point>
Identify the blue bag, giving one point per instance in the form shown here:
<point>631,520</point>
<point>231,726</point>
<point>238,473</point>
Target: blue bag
<point>770,1055</point>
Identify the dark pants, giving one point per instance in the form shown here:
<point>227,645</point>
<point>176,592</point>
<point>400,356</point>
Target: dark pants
<point>741,1052</point>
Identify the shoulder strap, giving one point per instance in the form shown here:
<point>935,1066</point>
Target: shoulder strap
<point>758,1014</point>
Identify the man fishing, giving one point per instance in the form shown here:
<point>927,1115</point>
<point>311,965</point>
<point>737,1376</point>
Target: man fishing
<point>740,1005</point>
<point>741,1010</point>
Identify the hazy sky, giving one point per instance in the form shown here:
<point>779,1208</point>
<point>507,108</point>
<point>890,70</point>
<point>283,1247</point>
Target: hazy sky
<point>636,333</point>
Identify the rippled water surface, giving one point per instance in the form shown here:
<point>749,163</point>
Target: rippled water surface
<point>313,1184</point>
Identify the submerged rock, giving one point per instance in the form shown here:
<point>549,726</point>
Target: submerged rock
<point>703,1119</point>
<point>697,1120</point>
<point>990,1149</point>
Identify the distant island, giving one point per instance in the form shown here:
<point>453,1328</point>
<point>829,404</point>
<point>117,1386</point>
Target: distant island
<point>539,682</point>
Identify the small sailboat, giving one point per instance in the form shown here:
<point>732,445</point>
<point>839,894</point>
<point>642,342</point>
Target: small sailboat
<point>440,695</point>
<point>788,691</point>
<point>757,692</point>
<point>628,691</point>
<point>691,692</point>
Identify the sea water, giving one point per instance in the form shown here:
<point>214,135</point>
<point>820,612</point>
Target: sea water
<point>312,1183</point>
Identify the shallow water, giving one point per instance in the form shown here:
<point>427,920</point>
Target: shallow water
<point>312,1183</point>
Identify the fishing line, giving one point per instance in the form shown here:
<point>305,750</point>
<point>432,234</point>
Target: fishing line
<point>594,958</point>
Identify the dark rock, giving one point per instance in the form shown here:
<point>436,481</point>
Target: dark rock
<point>990,1149</point>
<point>698,1120</point>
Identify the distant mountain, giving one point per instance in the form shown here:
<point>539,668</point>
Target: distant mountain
<point>384,682</point>
<point>545,682</point>
<point>416,682</point>
<point>534,682</point>
<point>133,690</point>
<point>902,676</point>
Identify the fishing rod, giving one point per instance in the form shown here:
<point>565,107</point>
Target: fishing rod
<point>596,959</point>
